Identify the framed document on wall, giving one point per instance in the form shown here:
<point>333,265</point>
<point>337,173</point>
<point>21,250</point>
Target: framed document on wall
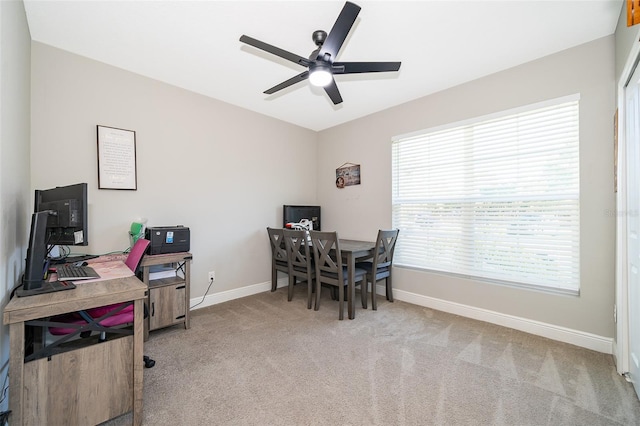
<point>116,158</point>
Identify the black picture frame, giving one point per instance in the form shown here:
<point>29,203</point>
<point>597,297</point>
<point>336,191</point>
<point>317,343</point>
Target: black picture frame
<point>116,158</point>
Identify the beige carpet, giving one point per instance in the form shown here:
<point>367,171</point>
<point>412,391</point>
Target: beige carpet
<point>262,360</point>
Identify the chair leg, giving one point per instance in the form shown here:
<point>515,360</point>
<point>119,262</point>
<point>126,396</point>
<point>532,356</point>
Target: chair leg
<point>352,298</point>
<point>374,300</point>
<point>389,289</point>
<point>292,281</point>
<point>341,301</point>
<point>309,293</point>
<point>334,293</point>
<point>364,288</point>
<point>274,278</point>
<point>318,290</point>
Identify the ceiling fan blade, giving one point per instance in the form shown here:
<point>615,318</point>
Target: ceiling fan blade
<point>333,92</point>
<point>275,50</point>
<point>339,32</point>
<point>359,67</point>
<point>293,80</point>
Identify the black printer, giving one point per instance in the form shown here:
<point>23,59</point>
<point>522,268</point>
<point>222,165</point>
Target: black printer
<point>168,239</point>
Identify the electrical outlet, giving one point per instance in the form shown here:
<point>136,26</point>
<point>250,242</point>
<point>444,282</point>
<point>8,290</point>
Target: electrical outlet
<point>212,276</point>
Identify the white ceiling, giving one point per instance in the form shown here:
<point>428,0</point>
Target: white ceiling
<point>194,45</point>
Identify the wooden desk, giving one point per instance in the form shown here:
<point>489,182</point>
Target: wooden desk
<point>88,384</point>
<point>353,250</point>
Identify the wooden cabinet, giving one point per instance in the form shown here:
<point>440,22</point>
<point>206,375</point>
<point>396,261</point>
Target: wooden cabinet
<point>167,304</point>
<point>168,300</point>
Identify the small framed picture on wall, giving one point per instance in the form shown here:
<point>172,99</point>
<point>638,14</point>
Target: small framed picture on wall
<point>348,174</point>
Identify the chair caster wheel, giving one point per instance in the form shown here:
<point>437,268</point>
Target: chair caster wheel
<point>148,362</point>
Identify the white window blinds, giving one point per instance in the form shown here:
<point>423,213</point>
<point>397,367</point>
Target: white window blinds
<point>495,198</point>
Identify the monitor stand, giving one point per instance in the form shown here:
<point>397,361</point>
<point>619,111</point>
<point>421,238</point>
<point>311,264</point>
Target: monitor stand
<point>47,287</point>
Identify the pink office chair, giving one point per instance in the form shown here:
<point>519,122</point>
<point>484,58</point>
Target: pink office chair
<point>125,315</point>
<point>117,314</point>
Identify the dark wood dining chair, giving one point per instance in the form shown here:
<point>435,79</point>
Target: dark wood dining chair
<point>300,261</point>
<point>329,268</point>
<point>380,266</point>
<point>279,260</point>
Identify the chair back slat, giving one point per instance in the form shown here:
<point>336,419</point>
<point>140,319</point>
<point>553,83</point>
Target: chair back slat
<point>328,262</point>
<point>385,246</point>
<point>278,249</point>
<point>298,252</point>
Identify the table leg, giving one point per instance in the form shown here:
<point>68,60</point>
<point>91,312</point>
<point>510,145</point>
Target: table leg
<point>351,266</point>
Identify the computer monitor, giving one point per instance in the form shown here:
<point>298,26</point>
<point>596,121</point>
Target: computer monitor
<point>293,214</point>
<point>67,224</point>
<point>34,278</point>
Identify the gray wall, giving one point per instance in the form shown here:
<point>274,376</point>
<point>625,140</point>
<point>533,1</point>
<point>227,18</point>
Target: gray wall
<point>358,211</point>
<point>14,157</point>
<point>223,171</point>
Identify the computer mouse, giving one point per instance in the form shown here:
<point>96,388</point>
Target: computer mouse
<point>82,263</point>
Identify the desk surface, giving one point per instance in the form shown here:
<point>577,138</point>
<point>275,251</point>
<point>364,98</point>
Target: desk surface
<point>84,296</point>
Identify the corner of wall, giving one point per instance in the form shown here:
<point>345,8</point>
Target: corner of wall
<point>15,106</point>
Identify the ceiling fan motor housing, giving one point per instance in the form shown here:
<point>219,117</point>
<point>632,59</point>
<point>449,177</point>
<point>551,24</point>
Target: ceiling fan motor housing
<point>319,37</point>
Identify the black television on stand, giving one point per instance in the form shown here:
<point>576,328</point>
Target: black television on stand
<point>34,280</point>
<point>294,214</point>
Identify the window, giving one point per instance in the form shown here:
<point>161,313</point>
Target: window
<point>495,198</point>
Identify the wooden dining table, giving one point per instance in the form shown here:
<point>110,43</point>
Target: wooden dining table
<point>353,251</point>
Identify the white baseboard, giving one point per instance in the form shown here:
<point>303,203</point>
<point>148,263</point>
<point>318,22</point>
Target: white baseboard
<point>236,293</point>
<point>550,331</point>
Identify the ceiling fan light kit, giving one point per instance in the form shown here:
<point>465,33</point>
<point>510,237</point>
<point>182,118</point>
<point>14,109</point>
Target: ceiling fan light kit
<point>321,65</point>
<point>319,74</point>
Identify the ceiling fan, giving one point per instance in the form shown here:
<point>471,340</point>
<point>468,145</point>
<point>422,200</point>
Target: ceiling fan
<point>321,63</point>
